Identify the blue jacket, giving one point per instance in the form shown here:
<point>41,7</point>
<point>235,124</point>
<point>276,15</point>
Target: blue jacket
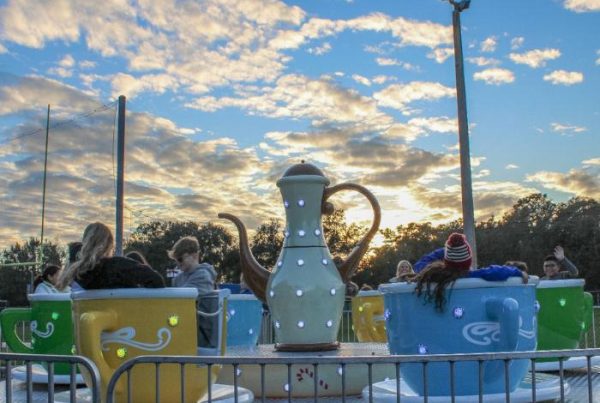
<point>490,273</point>
<point>495,273</point>
<point>437,254</point>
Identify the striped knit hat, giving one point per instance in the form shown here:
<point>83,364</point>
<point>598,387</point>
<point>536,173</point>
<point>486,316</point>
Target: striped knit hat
<point>457,252</point>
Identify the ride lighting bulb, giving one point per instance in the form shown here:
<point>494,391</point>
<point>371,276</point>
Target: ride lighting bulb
<point>122,352</point>
<point>173,320</point>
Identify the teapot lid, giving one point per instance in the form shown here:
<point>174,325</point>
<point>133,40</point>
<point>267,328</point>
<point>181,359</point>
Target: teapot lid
<point>303,168</point>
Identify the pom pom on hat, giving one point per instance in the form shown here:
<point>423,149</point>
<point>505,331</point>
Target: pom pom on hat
<point>457,252</point>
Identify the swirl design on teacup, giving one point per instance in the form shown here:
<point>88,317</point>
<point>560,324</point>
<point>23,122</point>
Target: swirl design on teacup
<point>49,329</point>
<point>484,333</point>
<point>126,336</point>
<point>528,334</point>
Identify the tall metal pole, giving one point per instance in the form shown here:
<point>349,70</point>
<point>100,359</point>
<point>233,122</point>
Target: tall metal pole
<point>463,130</point>
<point>41,253</point>
<point>120,176</point>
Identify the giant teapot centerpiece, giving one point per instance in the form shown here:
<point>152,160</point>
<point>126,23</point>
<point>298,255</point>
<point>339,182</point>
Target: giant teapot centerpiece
<point>305,291</point>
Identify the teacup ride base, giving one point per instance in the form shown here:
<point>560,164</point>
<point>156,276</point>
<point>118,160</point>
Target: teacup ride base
<point>547,387</point>
<point>570,364</point>
<point>329,382</point>
<point>39,374</point>
<point>219,394</point>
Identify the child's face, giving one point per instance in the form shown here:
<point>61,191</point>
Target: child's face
<point>550,268</point>
<point>403,269</point>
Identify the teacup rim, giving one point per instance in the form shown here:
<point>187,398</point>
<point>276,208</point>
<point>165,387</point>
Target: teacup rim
<point>134,293</point>
<point>463,283</point>
<point>62,296</point>
<point>242,297</point>
<point>562,283</point>
<point>369,293</point>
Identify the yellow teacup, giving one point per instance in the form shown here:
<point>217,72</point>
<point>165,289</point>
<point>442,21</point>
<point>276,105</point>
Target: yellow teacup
<point>113,326</point>
<point>367,317</point>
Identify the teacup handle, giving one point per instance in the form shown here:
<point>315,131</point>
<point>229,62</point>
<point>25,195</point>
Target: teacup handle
<point>348,266</point>
<point>505,311</point>
<point>91,326</point>
<point>8,320</point>
<point>588,310</point>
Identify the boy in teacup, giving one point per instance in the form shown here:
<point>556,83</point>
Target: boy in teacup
<point>557,261</point>
<point>202,276</point>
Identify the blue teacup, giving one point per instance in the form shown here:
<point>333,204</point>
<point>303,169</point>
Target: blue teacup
<point>244,320</point>
<point>479,317</point>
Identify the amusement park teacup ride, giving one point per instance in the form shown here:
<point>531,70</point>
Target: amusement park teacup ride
<point>305,295</point>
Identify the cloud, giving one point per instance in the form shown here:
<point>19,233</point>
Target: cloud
<point>567,129</point>
<point>64,67</point>
<point>592,162</point>
<point>495,76</point>
<point>31,24</point>
<point>535,58</point>
<point>361,80</point>
<point>579,182</point>
<point>399,96</point>
<point>385,61</point>
<point>489,44</point>
<point>320,50</point>
<point>564,77</point>
<point>483,61</point>
<point>200,46</point>
<point>382,79</point>
<point>517,42</point>
<point>598,59</point>
<point>582,6</point>
<point>132,86</point>
<point>441,54</point>
<point>511,166</point>
<point>296,96</point>
<point>441,124</point>
<point>163,163</point>
<point>490,199</point>
<point>35,93</point>
<point>87,64</point>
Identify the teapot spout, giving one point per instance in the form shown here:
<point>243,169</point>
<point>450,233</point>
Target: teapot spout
<point>255,275</point>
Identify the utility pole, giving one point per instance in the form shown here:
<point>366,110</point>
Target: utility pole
<point>41,252</point>
<point>463,129</point>
<point>120,176</point>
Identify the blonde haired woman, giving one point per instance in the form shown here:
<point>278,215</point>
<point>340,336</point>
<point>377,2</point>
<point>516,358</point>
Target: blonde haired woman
<point>97,268</point>
<point>404,272</point>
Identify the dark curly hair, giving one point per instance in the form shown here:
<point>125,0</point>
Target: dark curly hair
<point>433,281</point>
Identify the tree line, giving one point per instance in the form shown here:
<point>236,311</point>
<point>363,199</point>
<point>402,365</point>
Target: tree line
<point>527,232</point>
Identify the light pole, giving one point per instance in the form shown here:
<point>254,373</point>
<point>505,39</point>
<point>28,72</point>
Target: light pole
<point>463,129</point>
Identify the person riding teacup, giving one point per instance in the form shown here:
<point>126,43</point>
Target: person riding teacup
<point>557,261</point>
<point>97,268</point>
<point>453,261</point>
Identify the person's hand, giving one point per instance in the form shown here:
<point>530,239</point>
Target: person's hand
<point>525,277</point>
<point>559,253</point>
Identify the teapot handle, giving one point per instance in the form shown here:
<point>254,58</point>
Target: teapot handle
<point>349,265</point>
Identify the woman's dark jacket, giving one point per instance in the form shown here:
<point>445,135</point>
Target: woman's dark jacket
<point>120,272</point>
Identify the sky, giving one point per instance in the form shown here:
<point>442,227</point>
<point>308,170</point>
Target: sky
<point>224,95</point>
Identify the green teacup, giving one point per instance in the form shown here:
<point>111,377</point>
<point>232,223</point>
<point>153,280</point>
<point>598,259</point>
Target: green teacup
<point>50,323</point>
<point>565,313</point>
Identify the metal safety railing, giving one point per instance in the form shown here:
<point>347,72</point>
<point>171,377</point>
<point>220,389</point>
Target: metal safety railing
<point>7,364</point>
<point>371,362</point>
